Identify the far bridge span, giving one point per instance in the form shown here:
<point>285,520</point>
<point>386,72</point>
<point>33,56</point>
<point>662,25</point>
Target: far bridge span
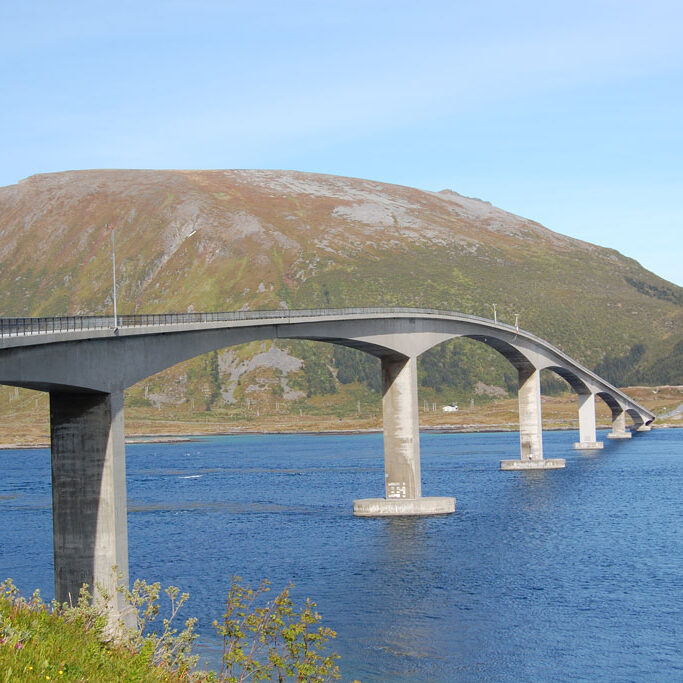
<point>86,363</point>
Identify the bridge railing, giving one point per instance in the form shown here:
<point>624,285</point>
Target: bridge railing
<point>12,327</point>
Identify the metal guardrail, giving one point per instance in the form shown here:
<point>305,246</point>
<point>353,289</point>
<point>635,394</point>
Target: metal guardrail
<point>13,327</point>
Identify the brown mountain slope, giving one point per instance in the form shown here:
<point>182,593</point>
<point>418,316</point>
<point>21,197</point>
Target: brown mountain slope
<point>223,240</point>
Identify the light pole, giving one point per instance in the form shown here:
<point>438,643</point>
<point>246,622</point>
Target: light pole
<point>495,313</point>
<point>113,269</point>
<point>516,322</point>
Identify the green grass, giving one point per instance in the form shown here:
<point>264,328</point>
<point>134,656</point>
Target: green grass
<point>39,646</point>
<point>262,639</point>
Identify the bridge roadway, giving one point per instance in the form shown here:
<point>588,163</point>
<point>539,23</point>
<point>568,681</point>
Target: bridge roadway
<point>86,363</point>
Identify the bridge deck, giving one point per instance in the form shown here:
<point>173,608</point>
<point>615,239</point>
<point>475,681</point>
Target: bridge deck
<point>17,332</point>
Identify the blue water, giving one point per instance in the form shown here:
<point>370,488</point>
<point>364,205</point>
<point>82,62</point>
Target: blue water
<point>572,574</point>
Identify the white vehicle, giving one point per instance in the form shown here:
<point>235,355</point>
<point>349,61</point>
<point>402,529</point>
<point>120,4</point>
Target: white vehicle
<point>450,409</point>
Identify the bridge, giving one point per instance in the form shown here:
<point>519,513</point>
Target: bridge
<point>86,363</point>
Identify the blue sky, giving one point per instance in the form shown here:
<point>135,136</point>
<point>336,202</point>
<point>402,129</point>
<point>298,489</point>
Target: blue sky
<point>569,113</point>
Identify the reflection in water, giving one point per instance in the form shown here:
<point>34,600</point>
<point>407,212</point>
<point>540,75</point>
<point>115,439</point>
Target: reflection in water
<point>402,537</point>
<point>406,584</point>
<point>533,492</point>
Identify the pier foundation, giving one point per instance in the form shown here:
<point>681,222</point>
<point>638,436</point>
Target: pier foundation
<point>619,425</point>
<point>403,482</point>
<point>531,426</point>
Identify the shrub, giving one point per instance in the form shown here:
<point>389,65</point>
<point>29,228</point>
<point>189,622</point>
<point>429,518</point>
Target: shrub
<point>271,641</point>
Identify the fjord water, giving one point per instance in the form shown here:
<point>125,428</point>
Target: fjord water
<point>557,575</point>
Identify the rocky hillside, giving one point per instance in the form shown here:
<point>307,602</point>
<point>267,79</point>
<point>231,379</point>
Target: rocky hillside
<point>224,240</point>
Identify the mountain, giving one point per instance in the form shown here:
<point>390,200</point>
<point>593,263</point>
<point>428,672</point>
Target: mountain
<point>225,240</point>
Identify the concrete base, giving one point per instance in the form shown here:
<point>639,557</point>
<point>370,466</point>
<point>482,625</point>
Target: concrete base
<point>545,464</point>
<point>644,428</point>
<point>588,445</point>
<point>619,435</point>
<point>394,507</point>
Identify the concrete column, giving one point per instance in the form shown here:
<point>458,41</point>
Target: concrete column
<point>530,416</point>
<point>88,492</point>
<point>619,425</point>
<point>530,426</point>
<point>587,436</point>
<point>401,429</point>
<point>403,483</point>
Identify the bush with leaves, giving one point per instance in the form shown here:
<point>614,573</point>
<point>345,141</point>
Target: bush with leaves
<point>273,641</point>
<point>261,640</point>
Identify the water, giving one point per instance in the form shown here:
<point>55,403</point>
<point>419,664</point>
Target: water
<point>560,575</point>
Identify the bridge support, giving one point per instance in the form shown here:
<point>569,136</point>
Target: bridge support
<point>403,483</point>
<point>587,437</point>
<point>638,423</point>
<point>88,493</point>
<point>619,425</point>
<point>531,426</point>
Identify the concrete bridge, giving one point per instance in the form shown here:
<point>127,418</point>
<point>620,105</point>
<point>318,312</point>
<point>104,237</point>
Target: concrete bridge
<point>86,363</point>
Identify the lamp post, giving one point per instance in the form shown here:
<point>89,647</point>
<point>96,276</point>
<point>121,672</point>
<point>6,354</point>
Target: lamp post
<point>495,313</point>
<point>113,269</point>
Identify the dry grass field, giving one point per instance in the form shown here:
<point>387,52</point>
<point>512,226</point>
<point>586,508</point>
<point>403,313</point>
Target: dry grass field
<point>24,419</point>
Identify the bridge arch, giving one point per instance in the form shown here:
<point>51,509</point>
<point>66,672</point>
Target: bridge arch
<point>638,420</point>
<point>510,352</point>
<point>574,381</point>
<point>392,340</point>
<point>611,402</point>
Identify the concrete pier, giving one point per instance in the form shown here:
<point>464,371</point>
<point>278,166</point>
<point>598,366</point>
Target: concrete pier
<point>587,435</point>
<point>88,492</point>
<point>401,429</point>
<point>531,426</point>
<point>619,426</point>
<point>403,482</point>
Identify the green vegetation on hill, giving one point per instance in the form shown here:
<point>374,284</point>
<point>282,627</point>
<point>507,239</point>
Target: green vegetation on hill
<point>666,370</point>
<point>626,370</point>
<point>664,293</point>
<point>356,366</point>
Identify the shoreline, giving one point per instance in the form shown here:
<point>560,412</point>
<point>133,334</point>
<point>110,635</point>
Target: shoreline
<point>190,437</point>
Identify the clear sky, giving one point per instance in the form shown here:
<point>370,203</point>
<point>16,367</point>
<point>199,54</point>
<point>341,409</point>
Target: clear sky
<point>569,113</point>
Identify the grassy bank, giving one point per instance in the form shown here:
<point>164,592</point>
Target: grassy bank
<point>39,645</point>
<point>263,639</point>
